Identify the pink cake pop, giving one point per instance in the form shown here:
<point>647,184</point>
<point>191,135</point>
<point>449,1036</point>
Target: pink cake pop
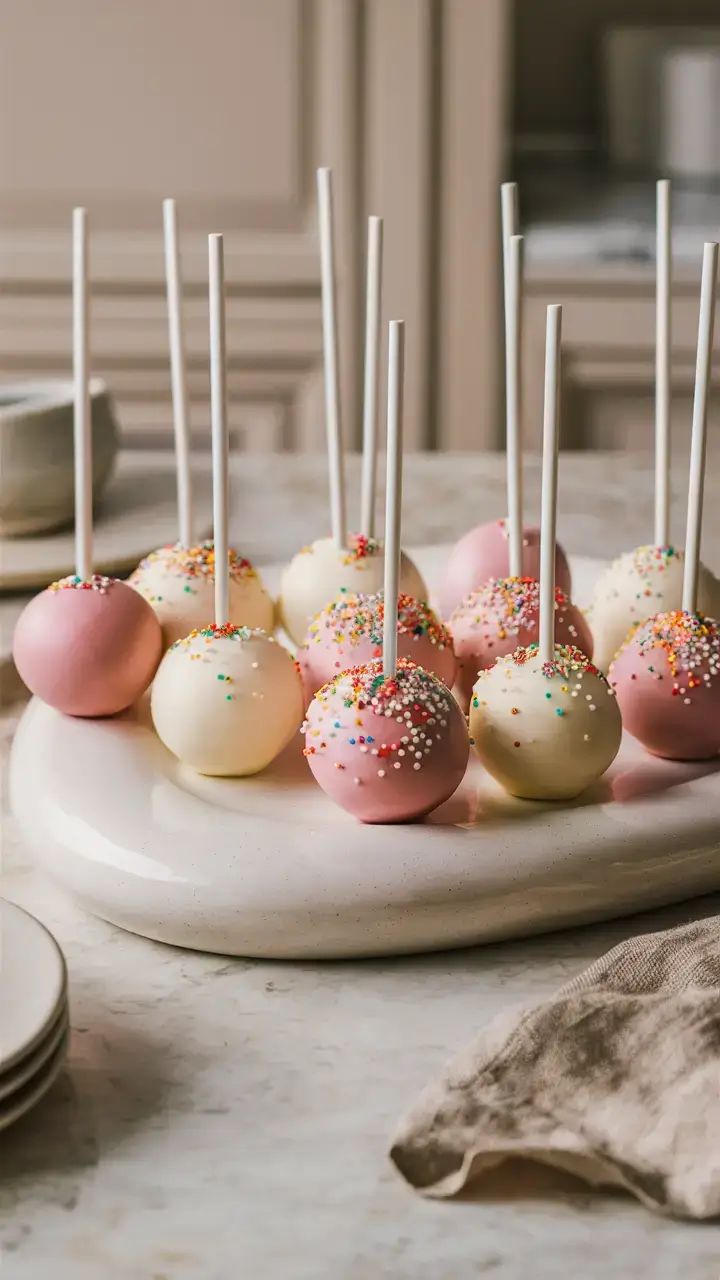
<point>88,645</point>
<point>387,740</point>
<point>504,614</point>
<point>386,748</point>
<point>667,674</point>
<point>349,633</point>
<point>483,553</point>
<point>667,681</point>
<point>503,548</point>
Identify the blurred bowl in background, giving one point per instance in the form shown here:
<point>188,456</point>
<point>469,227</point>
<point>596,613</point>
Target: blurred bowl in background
<point>36,453</point>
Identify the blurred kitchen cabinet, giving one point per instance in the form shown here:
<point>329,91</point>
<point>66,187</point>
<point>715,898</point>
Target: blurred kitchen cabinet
<point>229,105</point>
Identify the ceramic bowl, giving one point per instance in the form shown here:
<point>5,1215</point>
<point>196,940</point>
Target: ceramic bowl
<point>36,453</point>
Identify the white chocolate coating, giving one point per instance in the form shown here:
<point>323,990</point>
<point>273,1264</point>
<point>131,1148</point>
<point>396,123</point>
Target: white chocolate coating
<point>321,573</point>
<point>227,700</point>
<point>545,734</point>
<point>179,583</point>
<point>638,585</point>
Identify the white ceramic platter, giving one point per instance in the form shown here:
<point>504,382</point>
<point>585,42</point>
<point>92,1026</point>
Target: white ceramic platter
<point>267,866</point>
<point>32,984</point>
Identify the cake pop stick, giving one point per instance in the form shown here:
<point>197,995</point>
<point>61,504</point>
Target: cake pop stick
<point>181,418</point>
<point>373,307</point>
<point>706,324</point>
<point>393,495</point>
<point>88,645</point>
<point>509,217</point>
<point>218,413</point>
<point>662,366</point>
<point>82,420</point>
<point>548,522</point>
<point>333,421</point>
<point>513,321</point>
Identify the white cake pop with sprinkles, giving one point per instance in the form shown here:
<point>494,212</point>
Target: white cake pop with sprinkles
<point>543,719</point>
<point>226,699</point>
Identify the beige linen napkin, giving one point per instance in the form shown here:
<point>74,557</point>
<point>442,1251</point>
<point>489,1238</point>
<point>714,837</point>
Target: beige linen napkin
<point>616,1079</point>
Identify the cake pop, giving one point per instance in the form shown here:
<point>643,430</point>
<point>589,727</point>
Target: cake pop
<point>387,740</point>
<point>485,551</point>
<point>331,567</point>
<point>226,699</point>
<point>177,580</point>
<point>649,579</point>
<point>667,673</point>
<point>543,720</point>
<point>87,645</point>
<point>503,615</point>
<point>349,633</point>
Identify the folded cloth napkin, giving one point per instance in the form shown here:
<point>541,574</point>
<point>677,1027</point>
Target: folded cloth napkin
<point>616,1079</point>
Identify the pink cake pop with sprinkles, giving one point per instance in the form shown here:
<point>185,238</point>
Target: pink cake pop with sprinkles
<point>484,552</point>
<point>349,633</point>
<point>503,615</point>
<point>543,719</point>
<point>88,645</point>
<point>387,740</point>
<point>667,674</point>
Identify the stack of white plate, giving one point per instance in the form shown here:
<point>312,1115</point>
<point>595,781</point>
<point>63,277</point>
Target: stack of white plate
<point>33,1012</point>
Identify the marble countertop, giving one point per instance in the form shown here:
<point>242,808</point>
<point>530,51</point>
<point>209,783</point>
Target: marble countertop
<point>222,1118</point>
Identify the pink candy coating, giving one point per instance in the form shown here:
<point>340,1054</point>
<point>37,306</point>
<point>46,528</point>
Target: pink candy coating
<point>504,615</point>
<point>667,681</point>
<point>386,750</point>
<point>483,553</point>
<point>88,649</point>
<point>349,633</point>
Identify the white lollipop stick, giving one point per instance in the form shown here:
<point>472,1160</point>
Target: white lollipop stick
<point>333,421</point>
<point>373,304</point>
<point>662,366</point>
<point>706,325</point>
<point>181,417</point>
<point>513,322</point>
<point>218,415</point>
<point>82,418</point>
<point>509,215</point>
<point>393,493</point>
<point>551,435</point>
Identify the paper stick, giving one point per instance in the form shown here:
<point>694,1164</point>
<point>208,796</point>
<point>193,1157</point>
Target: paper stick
<point>373,306</point>
<point>706,325</point>
<point>548,522</point>
<point>181,417</point>
<point>393,491</point>
<point>218,416</point>
<point>513,322</point>
<point>333,422</point>
<point>510,218</point>
<point>662,365</point>
<point>82,412</point>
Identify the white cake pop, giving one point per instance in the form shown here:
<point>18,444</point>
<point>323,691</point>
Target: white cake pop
<point>638,584</point>
<point>226,700</point>
<point>323,573</point>
<point>330,567</point>
<point>543,719</point>
<point>545,730</point>
<point>179,583</point>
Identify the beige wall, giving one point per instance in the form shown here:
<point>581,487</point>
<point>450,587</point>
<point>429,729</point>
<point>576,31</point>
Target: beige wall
<point>229,105</point>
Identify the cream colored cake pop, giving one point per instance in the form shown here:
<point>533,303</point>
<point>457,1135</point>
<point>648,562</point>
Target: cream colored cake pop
<point>543,719</point>
<point>545,730</point>
<point>226,700</point>
<point>179,583</point>
<point>638,584</point>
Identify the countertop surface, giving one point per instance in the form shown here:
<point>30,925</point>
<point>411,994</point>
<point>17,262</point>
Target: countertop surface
<point>221,1119</point>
